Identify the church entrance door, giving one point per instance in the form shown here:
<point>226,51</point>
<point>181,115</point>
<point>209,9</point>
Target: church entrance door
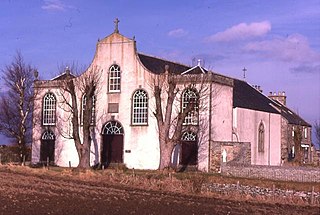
<point>112,145</point>
<point>47,148</point>
<point>189,152</point>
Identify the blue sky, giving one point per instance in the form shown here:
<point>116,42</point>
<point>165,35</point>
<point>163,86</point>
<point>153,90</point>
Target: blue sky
<point>277,41</point>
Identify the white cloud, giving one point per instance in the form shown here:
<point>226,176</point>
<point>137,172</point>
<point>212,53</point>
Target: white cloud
<point>179,32</point>
<point>294,48</point>
<point>241,31</point>
<point>54,5</point>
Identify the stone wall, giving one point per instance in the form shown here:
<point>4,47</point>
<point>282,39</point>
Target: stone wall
<point>237,153</point>
<point>298,174</point>
<point>285,147</point>
<point>273,193</point>
<point>316,157</point>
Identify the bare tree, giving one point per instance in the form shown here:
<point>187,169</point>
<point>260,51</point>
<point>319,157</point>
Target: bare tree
<point>16,103</point>
<point>74,90</point>
<point>170,121</point>
<point>317,130</point>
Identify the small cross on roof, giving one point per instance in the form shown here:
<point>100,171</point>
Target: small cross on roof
<point>116,25</point>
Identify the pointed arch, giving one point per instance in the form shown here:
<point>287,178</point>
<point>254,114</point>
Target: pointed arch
<point>49,109</point>
<point>83,106</point>
<point>261,137</point>
<point>47,147</point>
<point>189,152</point>
<point>190,97</point>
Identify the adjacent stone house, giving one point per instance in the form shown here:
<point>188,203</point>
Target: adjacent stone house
<point>295,132</point>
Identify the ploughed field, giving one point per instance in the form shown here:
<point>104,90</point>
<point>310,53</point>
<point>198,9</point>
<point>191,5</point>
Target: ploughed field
<point>25,192</point>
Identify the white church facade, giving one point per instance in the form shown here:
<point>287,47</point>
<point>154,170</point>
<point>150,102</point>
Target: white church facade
<point>124,128</point>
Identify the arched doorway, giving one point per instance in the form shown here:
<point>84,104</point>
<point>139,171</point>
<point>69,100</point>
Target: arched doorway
<point>47,147</point>
<point>112,143</point>
<point>189,152</point>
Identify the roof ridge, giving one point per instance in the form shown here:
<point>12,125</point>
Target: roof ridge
<point>159,58</point>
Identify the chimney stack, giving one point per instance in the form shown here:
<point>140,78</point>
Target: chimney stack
<point>280,97</point>
<point>258,88</point>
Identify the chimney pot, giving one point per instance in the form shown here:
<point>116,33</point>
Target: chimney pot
<point>166,67</point>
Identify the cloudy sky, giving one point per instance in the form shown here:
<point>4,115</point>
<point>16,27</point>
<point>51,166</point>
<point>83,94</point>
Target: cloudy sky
<point>277,41</point>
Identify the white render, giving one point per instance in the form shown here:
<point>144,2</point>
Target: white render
<point>218,120</point>
<point>246,127</point>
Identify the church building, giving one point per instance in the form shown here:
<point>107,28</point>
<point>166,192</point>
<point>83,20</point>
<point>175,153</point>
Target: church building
<point>237,122</point>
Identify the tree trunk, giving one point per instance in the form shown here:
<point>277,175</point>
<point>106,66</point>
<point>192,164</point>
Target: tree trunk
<point>84,159</point>
<point>166,149</point>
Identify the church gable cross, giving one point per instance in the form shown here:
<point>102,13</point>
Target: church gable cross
<point>244,73</point>
<point>116,25</point>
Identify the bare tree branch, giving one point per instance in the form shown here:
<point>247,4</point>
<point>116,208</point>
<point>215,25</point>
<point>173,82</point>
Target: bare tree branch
<point>17,103</point>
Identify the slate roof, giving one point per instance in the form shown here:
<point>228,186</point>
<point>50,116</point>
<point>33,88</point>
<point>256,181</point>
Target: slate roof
<point>245,96</point>
<point>62,77</point>
<point>291,116</point>
<point>157,65</point>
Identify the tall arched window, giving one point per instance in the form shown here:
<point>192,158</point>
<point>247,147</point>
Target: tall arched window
<point>93,113</point>
<point>114,78</point>
<point>49,109</point>
<point>140,108</point>
<point>261,138</point>
<point>190,101</point>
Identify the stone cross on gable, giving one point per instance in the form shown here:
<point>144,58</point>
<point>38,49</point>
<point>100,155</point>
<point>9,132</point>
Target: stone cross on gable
<point>244,72</point>
<point>116,25</point>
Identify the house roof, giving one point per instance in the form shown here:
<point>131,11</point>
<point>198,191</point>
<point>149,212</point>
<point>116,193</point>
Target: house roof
<point>245,96</point>
<point>291,116</point>
<point>157,66</point>
<point>62,76</point>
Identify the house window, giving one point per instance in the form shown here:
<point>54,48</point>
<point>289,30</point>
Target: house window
<point>190,103</point>
<point>305,131</point>
<point>49,109</point>
<point>93,113</point>
<point>261,138</point>
<point>140,108</point>
<point>292,131</point>
<point>114,78</point>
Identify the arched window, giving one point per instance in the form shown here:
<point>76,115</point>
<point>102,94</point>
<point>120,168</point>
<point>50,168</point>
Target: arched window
<point>261,138</point>
<point>140,108</point>
<point>190,102</point>
<point>48,135</point>
<point>189,136</point>
<point>49,109</point>
<point>114,78</point>
<point>112,127</point>
<point>93,113</point>
<point>47,147</point>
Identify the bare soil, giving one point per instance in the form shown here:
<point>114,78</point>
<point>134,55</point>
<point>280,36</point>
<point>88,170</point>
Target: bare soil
<point>26,191</point>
